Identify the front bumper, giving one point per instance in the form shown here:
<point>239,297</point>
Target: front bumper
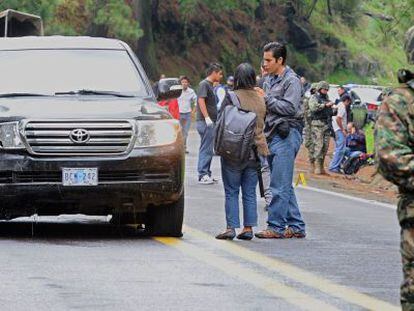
<point>147,176</point>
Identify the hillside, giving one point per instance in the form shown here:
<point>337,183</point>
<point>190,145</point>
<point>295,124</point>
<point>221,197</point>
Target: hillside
<point>341,41</point>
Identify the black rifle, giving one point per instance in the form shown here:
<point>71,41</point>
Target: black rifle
<point>259,172</point>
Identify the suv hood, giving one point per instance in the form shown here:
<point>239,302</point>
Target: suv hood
<point>80,107</point>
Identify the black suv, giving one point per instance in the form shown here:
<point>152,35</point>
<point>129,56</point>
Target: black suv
<point>81,132</point>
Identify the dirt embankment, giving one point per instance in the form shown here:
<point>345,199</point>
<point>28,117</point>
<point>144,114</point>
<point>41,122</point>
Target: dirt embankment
<point>365,184</point>
<point>204,36</point>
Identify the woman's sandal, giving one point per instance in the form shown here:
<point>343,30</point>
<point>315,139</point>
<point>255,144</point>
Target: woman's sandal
<point>229,234</point>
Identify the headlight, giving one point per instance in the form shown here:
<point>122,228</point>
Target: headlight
<point>9,136</point>
<point>157,133</point>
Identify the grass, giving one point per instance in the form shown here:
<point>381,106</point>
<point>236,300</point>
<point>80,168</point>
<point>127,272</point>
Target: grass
<point>365,39</point>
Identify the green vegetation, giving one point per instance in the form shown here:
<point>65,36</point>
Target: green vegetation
<point>366,35</point>
<point>378,37</point>
<point>79,17</point>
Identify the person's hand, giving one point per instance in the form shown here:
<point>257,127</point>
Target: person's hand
<point>329,104</point>
<point>345,133</point>
<point>208,121</point>
<point>260,91</point>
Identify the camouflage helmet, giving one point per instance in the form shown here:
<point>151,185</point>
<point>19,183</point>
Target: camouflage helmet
<point>323,85</point>
<point>314,86</point>
<point>409,45</point>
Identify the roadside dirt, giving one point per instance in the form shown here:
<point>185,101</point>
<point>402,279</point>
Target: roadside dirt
<point>365,184</point>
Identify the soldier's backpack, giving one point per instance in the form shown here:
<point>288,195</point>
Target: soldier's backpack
<point>234,132</point>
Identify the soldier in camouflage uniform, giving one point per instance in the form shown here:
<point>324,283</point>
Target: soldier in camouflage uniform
<point>320,108</point>
<point>394,136</point>
<point>308,128</point>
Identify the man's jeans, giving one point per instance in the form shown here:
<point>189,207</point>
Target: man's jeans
<point>185,121</point>
<point>284,210</point>
<point>233,179</point>
<point>340,147</point>
<point>206,148</point>
<point>352,154</point>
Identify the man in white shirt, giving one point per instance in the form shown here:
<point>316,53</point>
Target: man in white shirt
<point>339,124</point>
<point>186,103</point>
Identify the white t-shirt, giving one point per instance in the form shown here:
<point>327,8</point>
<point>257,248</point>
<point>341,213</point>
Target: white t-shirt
<point>186,99</point>
<point>341,113</point>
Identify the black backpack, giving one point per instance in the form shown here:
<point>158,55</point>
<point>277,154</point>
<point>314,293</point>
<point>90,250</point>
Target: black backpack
<point>352,165</point>
<point>234,132</point>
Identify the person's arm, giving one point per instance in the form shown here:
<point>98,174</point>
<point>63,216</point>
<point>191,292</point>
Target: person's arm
<point>193,100</point>
<point>202,95</point>
<point>339,122</point>
<point>394,154</point>
<point>289,104</point>
<point>315,106</point>
<point>340,117</point>
<point>203,108</point>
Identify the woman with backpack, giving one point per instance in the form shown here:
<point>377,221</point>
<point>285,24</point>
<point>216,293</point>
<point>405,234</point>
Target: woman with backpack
<point>236,174</point>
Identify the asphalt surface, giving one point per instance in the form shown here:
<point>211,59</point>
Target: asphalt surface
<point>349,261</point>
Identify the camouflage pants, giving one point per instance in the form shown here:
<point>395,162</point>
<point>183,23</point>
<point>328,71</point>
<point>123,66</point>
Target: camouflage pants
<point>320,137</point>
<point>307,133</point>
<point>406,217</point>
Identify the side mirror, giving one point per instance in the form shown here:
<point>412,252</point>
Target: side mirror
<point>169,88</point>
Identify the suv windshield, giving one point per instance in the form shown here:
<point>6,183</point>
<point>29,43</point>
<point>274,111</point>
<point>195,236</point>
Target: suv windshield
<point>54,71</point>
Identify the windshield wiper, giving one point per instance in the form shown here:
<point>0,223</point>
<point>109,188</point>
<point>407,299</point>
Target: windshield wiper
<point>94,92</point>
<point>21,94</point>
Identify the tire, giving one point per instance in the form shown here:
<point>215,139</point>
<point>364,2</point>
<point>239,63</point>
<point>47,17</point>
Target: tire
<point>166,220</point>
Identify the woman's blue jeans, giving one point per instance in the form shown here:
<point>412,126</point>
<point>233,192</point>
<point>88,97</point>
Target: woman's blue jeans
<point>235,178</point>
<point>283,209</point>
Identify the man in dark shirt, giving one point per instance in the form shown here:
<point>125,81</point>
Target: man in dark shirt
<point>282,92</point>
<point>206,116</point>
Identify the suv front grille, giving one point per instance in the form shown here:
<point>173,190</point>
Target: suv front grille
<point>104,176</point>
<point>94,137</point>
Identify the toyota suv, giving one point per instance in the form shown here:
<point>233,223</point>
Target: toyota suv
<point>80,132</point>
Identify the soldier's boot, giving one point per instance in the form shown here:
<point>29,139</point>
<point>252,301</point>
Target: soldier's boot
<point>318,170</point>
<point>312,167</point>
<point>323,172</point>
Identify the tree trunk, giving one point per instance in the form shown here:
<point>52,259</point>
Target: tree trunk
<point>145,46</point>
<point>311,9</point>
<point>328,4</point>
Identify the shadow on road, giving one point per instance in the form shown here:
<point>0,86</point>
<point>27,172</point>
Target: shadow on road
<point>72,230</point>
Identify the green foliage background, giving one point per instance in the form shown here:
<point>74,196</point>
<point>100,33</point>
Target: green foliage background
<point>75,17</point>
<point>378,39</point>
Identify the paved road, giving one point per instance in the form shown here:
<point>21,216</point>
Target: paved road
<point>349,261</point>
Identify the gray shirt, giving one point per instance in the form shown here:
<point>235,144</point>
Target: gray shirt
<point>283,100</point>
<point>206,91</point>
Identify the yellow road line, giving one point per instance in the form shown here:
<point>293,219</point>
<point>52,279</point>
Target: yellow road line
<point>300,275</point>
<point>234,269</point>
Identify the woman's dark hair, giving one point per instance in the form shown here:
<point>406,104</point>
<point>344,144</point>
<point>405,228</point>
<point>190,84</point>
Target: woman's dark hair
<point>244,77</point>
<point>278,50</point>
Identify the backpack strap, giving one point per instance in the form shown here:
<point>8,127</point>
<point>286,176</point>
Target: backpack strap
<point>234,99</point>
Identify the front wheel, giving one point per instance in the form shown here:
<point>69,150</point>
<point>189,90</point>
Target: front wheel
<point>166,220</point>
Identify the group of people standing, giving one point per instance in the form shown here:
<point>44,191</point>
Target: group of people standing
<point>277,102</point>
<point>277,139</point>
<point>324,119</point>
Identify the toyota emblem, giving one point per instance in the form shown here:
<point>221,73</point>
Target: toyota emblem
<point>80,136</point>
